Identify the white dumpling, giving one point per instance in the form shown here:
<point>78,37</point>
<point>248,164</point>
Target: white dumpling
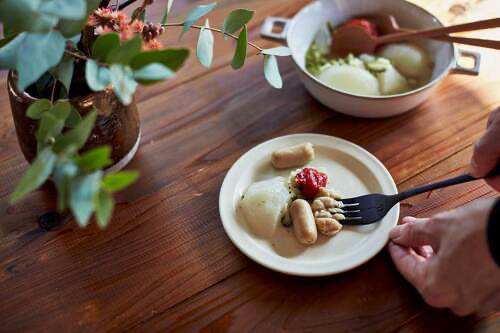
<point>409,59</point>
<point>391,82</point>
<point>350,79</point>
<point>265,204</point>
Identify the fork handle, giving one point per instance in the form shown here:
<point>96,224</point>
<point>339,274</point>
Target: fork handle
<point>444,183</point>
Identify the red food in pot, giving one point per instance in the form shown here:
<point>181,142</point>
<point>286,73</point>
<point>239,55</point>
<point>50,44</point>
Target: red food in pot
<point>368,26</point>
<point>309,181</point>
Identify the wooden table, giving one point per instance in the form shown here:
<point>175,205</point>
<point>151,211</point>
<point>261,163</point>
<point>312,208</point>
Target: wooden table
<point>166,264</point>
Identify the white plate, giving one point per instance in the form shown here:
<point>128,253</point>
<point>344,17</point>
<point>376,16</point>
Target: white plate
<point>350,168</point>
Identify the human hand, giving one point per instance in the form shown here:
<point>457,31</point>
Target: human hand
<point>447,258</point>
<point>487,151</point>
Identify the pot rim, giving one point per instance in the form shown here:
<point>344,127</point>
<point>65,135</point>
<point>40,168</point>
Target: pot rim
<point>440,77</point>
<point>11,84</point>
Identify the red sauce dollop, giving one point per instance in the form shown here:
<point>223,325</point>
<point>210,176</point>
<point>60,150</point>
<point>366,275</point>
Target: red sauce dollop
<point>309,181</point>
<point>368,26</point>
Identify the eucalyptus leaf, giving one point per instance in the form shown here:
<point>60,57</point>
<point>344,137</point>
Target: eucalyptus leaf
<point>116,181</point>
<point>36,174</point>
<point>20,54</point>
<point>196,14</point>
<point>95,159</point>
<point>236,20</point>
<point>70,28</point>
<point>123,83</point>
<point>83,188</point>
<point>271,71</point>
<point>74,118</point>
<point>167,11</point>
<point>205,46</point>
<point>103,208</point>
<point>153,73</point>
<point>49,127</point>
<point>61,110</point>
<point>37,108</point>
<point>125,52</point>
<point>24,15</point>
<point>63,72</point>
<point>97,77</point>
<point>63,173</point>
<point>172,58</point>
<point>77,136</point>
<point>281,51</point>
<point>241,50</point>
<point>71,10</point>
<point>104,44</point>
<point>6,40</point>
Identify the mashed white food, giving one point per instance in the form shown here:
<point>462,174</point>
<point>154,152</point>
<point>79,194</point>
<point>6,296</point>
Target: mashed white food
<point>264,204</point>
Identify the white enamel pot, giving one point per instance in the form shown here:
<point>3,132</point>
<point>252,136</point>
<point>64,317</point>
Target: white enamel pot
<point>299,33</point>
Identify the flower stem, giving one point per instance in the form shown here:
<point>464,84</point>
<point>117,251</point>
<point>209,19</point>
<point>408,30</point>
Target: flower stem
<point>199,27</point>
<point>76,55</point>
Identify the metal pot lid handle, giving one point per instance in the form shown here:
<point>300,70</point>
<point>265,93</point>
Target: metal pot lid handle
<point>271,21</point>
<point>459,69</point>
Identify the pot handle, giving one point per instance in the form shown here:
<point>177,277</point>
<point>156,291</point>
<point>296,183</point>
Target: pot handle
<point>458,69</point>
<point>271,21</point>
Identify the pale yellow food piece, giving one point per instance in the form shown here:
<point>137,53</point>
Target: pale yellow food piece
<point>294,156</point>
<point>304,225</point>
<point>350,79</point>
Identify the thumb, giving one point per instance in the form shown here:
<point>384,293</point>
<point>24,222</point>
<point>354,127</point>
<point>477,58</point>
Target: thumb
<point>413,233</point>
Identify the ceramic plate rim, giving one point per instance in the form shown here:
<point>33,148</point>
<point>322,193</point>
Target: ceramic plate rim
<point>226,210</point>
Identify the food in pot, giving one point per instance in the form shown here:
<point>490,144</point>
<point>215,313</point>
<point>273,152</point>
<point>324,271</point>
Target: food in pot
<point>294,156</point>
<point>395,69</point>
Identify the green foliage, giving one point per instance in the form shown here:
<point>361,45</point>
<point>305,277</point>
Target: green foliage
<point>25,15</point>
<point>97,77</point>
<point>171,58</point>
<point>236,20</point>
<point>167,11</point>
<point>37,108</point>
<point>50,127</point>
<point>71,10</point>
<point>196,14</point>
<point>205,47</point>
<point>125,52</point>
<point>153,73</point>
<point>70,28</point>
<point>36,175</point>
<point>64,171</point>
<point>83,189</point>
<point>95,159</point>
<point>76,137</point>
<point>271,71</point>
<point>19,54</point>
<point>74,118</point>
<point>63,72</point>
<point>241,49</point>
<point>123,83</point>
<point>103,207</point>
<point>104,44</point>
<point>116,181</point>
<point>281,51</point>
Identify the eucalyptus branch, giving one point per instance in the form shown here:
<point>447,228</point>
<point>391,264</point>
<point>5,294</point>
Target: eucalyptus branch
<point>76,55</point>
<point>53,91</point>
<point>199,27</point>
<point>126,4</point>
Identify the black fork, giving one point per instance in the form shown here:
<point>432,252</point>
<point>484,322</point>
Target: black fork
<point>371,208</point>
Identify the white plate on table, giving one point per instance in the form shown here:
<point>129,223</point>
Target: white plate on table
<point>351,170</point>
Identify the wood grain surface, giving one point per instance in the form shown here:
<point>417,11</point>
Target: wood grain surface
<point>166,264</point>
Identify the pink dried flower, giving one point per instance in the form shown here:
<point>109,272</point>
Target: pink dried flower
<point>152,44</point>
<point>137,26</point>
